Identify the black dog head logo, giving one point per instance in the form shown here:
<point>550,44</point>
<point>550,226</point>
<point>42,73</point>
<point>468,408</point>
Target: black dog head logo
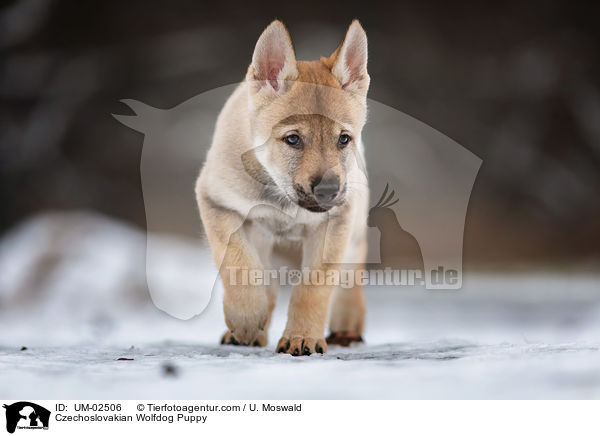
<point>26,414</point>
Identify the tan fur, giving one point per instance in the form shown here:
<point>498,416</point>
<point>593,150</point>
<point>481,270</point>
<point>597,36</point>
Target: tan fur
<point>249,189</point>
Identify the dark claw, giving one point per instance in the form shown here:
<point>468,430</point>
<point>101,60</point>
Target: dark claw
<point>306,351</point>
<point>296,352</point>
<point>256,343</point>
<point>223,340</point>
<point>233,341</point>
<point>319,349</point>
<point>284,347</point>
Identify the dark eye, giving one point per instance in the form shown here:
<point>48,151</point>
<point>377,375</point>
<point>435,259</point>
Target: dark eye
<point>293,141</point>
<point>344,140</point>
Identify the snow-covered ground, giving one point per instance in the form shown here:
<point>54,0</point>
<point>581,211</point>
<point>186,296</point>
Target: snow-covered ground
<point>72,290</point>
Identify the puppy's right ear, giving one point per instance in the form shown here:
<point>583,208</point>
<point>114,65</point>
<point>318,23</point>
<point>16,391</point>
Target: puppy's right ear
<point>273,61</point>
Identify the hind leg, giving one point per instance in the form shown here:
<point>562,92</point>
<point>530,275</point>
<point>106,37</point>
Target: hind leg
<point>347,316</point>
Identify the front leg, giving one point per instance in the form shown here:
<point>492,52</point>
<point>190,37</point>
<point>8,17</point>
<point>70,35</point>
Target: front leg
<point>307,314</point>
<point>247,306</point>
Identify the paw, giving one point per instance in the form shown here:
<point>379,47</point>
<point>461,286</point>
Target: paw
<point>343,338</point>
<point>247,319</point>
<point>229,339</point>
<point>301,346</point>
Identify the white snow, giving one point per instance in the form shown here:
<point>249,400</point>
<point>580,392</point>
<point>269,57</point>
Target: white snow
<point>72,290</point>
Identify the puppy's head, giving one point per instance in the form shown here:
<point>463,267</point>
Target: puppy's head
<point>307,117</point>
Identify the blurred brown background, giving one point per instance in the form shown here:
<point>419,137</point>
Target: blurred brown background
<point>517,84</point>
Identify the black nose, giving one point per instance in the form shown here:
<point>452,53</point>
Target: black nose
<point>325,190</point>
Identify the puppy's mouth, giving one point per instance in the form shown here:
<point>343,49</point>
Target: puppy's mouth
<point>310,203</point>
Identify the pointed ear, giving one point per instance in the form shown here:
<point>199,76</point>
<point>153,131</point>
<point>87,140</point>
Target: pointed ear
<point>273,60</point>
<point>350,65</point>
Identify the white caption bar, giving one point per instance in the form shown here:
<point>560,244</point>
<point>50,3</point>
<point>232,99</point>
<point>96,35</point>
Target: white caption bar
<point>300,417</point>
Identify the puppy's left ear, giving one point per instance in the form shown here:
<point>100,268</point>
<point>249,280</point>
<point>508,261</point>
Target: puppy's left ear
<point>350,64</point>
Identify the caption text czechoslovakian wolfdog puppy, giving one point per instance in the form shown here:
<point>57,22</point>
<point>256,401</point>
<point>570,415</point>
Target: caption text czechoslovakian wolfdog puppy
<point>286,169</point>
